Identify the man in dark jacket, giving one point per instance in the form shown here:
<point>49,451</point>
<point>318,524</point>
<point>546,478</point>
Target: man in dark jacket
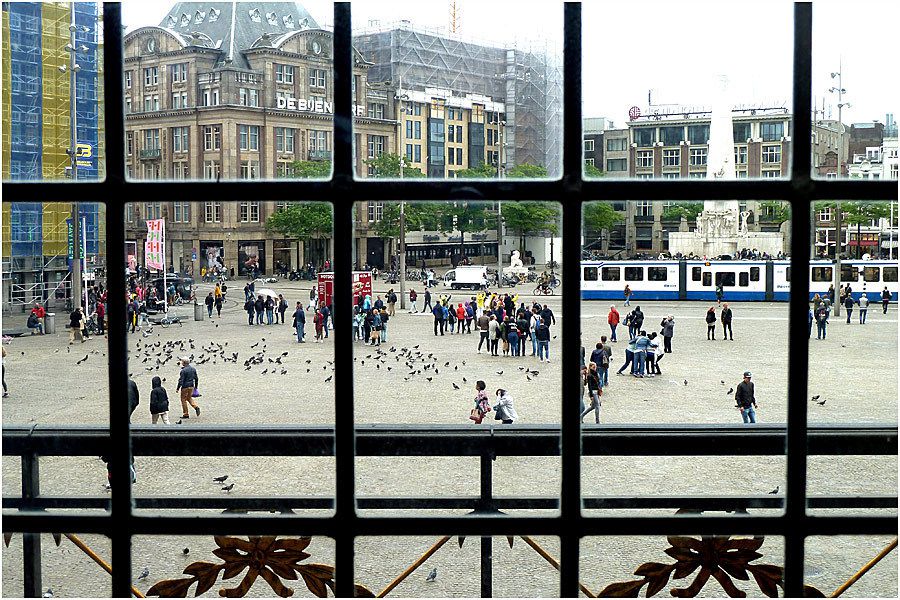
<point>542,333</point>
<point>438,312</point>
<point>848,304</point>
<point>209,304</point>
<point>159,402</point>
<point>134,397</point>
<point>250,307</point>
<point>547,316</point>
<point>726,322</point>
<point>427,305</point>
<point>260,309</point>
<point>187,381</point>
<point>885,300</point>
<point>300,322</point>
<point>745,399</point>
<point>638,319</point>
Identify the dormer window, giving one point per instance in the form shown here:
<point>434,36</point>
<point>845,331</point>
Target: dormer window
<point>185,20</point>
<point>199,16</point>
<point>172,21</point>
<point>288,21</point>
<point>214,15</point>
<point>255,16</point>
<point>272,18</point>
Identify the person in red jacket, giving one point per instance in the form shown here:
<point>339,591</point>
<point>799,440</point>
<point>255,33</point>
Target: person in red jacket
<point>39,312</point>
<point>613,320</point>
<point>460,317</point>
<point>101,315</point>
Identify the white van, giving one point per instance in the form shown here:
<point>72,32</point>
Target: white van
<point>472,277</point>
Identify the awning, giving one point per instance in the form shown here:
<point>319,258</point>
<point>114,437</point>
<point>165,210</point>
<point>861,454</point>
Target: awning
<point>889,244</point>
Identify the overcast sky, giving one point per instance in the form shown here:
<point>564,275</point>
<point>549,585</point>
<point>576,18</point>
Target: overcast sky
<point>674,49</point>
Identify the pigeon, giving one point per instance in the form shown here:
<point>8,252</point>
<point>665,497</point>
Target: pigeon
<point>776,490</point>
<point>822,403</point>
<point>432,576</point>
<point>465,380</point>
<point>186,550</point>
<point>455,387</point>
<point>144,574</point>
<point>730,391</point>
<point>48,593</point>
<point>329,378</point>
<point>814,398</point>
<point>220,479</point>
<point>685,382</point>
<point>499,372</point>
<point>722,382</point>
<point>429,378</point>
<point>228,487</point>
<point>82,360</point>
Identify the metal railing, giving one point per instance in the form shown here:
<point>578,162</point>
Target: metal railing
<point>31,443</point>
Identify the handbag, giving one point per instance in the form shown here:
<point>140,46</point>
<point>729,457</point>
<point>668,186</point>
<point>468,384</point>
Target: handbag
<point>476,416</point>
<point>195,393</point>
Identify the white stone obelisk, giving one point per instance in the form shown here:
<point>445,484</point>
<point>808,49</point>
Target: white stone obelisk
<point>722,215</point>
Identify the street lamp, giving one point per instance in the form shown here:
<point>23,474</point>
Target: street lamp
<point>500,140</point>
<point>401,97</point>
<point>840,91</point>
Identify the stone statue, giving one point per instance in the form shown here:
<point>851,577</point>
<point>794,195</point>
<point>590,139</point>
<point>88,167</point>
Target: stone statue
<point>729,223</point>
<point>515,261</point>
<point>745,215</point>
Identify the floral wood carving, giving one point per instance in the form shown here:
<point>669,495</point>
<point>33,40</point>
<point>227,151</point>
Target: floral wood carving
<point>268,557</point>
<point>718,557</point>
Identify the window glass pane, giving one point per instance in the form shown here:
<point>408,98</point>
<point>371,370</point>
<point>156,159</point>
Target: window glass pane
<point>849,273</point>
<point>293,86</point>
<point>611,274</point>
<point>725,278</point>
<point>890,274</point>
<point>695,273</point>
<point>38,83</point>
<point>634,273</point>
<point>707,278</point>
<point>821,273</point>
<point>657,273</point>
<point>590,273</point>
<point>743,279</point>
<point>754,273</point>
<point>872,274</point>
<point>703,113</point>
<point>476,124</point>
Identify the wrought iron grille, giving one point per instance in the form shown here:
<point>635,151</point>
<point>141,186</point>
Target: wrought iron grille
<point>571,191</point>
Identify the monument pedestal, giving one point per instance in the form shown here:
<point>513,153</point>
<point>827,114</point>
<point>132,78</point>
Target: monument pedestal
<point>691,243</point>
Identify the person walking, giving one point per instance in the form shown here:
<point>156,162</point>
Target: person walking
<point>482,406</point>
<point>219,300</point>
<point>848,304</point>
<point>627,293</point>
<point>209,301</point>
<point>629,357</point>
<point>427,303</point>
<point>863,308</point>
<point>282,307</point>
<point>187,382</point>
<point>726,322</point>
<point>603,365</point>
<point>250,308</point>
<point>543,339</point>
<point>438,312</point>
<point>637,320</point>
<point>821,322</point>
<point>159,402</point>
<point>720,293</point>
<point>504,411</point>
<point>711,323</point>
<point>299,322</point>
<point>313,299</point>
<point>613,320</point>
<point>412,301</point>
<point>391,302</point>
<point>745,399</point>
<point>668,331</point>
<point>595,389</point>
<point>885,300</point>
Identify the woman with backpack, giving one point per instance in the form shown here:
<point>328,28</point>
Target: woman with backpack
<point>711,323</point>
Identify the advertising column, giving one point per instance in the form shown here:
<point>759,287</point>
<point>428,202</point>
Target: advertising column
<point>155,252</point>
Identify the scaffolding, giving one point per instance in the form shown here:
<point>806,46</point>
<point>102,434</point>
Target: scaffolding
<point>528,81</point>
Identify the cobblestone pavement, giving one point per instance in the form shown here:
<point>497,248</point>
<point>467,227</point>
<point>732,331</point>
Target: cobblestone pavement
<point>854,370</point>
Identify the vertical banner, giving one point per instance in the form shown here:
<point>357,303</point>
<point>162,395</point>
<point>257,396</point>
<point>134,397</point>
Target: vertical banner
<point>155,244</point>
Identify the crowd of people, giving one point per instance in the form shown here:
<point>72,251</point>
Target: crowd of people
<point>742,254</point>
<point>820,307</point>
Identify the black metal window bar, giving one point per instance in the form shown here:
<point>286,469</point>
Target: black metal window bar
<point>571,191</point>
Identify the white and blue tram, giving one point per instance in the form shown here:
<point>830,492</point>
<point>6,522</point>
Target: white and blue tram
<point>742,280</point>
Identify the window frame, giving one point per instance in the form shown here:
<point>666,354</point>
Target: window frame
<point>796,524</point>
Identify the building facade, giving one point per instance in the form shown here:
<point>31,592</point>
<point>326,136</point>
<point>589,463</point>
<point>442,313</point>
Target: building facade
<point>37,134</point>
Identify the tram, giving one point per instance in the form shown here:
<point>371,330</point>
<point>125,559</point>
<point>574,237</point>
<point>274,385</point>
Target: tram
<point>742,280</point>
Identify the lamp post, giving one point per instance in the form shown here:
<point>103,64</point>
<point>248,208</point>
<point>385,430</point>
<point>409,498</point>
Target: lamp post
<point>499,123</point>
<point>402,159</point>
<point>840,91</point>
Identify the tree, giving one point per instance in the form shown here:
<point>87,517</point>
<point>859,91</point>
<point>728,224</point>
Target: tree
<point>388,165</point>
<point>775,210</point>
<point>418,215</point>
<point>688,210</point>
<point>527,171</point>
<point>599,217</point>
<point>462,216</point>
<point>302,220</point>
<point>592,172</point>
<point>310,169</point>
<point>482,171</point>
<point>530,218</point>
<point>859,214</point>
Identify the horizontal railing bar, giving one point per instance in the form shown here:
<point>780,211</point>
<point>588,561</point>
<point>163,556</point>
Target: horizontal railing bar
<point>484,525</point>
<point>710,503</point>
<point>453,440</point>
<point>437,189</point>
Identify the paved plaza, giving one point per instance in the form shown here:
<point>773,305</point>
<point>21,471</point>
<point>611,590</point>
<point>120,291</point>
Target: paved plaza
<point>854,371</point>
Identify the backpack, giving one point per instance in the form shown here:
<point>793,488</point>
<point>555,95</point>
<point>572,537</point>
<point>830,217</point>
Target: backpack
<point>604,359</point>
<point>392,297</point>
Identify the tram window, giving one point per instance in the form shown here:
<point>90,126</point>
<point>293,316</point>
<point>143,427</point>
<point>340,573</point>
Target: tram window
<point>725,278</point>
<point>872,274</point>
<point>754,273</point>
<point>821,273</point>
<point>695,273</point>
<point>610,274</point>
<point>590,273</point>
<point>707,279</point>
<point>787,274</point>
<point>743,279</point>
<point>849,273</point>
<point>634,273</point>
<point>657,273</point>
<point>890,274</point>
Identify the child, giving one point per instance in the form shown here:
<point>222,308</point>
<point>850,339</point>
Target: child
<point>159,402</point>
<point>482,406</point>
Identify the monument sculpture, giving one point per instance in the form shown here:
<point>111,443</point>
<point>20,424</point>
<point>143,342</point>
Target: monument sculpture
<point>722,227</point>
